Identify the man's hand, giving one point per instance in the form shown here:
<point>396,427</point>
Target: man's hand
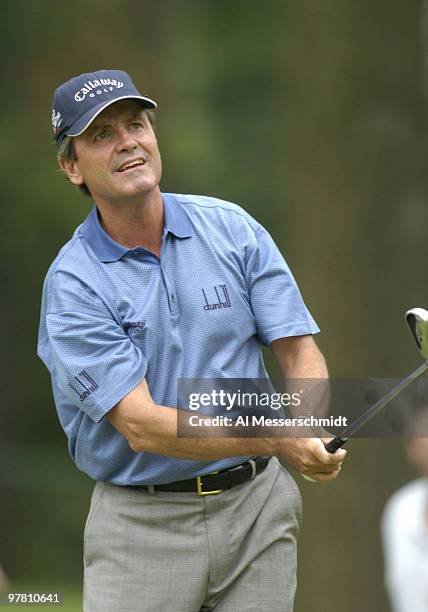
<point>310,458</point>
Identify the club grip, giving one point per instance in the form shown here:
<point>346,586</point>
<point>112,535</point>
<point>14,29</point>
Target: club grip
<point>334,444</point>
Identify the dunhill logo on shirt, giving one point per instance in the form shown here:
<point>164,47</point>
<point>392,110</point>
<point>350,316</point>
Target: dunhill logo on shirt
<point>86,382</point>
<point>220,290</point>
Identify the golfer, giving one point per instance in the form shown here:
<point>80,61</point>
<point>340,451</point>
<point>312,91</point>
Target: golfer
<point>154,287</point>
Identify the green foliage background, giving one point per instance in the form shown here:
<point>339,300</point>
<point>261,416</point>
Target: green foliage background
<point>310,115</point>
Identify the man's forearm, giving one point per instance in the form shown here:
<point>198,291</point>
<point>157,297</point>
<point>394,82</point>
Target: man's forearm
<point>303,366</point>
<point>299,357</point>
<point>150,427</point>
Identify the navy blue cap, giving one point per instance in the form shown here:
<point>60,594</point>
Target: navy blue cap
<point>78,101</point>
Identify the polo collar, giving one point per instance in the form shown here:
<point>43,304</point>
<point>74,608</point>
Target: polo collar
<point>106,249</point>
<point>176,220</point>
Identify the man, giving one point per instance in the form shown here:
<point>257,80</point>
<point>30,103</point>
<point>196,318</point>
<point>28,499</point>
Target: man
<point>153,288</point>
<point>405,528</point>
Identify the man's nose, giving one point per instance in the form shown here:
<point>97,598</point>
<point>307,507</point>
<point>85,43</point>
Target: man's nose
<point>125,139</point>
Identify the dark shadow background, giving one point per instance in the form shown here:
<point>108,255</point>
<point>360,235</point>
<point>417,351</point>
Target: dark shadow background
<point>310,115</point>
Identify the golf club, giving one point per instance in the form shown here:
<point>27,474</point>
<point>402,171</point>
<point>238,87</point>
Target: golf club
<point>417,320</point>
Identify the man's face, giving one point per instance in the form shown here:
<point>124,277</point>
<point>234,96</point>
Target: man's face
<point>117,156</point>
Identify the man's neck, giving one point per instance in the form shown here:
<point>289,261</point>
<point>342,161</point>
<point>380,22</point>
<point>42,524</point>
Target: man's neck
<point>134,224</point>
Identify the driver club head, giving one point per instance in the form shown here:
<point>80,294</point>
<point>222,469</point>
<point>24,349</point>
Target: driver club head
<point>417,320</point>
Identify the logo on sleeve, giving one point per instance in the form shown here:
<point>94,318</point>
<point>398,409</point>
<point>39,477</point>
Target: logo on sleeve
<point>133,327</point>
<point>84,386</point>
<point>56,120</point>
<point>220,295</point>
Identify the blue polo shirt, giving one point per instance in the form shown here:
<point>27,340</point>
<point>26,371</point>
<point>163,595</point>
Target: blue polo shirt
<point>111,316</point>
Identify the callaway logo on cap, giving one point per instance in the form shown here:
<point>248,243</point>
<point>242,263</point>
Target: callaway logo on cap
<point>78,101</point>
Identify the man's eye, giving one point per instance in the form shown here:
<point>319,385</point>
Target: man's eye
<point>101,135</point>
<point>136,125</point>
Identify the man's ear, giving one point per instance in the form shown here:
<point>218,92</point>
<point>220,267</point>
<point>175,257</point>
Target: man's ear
<point>71,169</point>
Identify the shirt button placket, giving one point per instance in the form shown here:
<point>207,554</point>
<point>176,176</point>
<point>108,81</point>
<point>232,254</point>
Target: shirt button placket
<point>172,298</point>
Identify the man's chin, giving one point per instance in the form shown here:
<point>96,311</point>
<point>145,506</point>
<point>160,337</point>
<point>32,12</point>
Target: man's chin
<point>136,189</point>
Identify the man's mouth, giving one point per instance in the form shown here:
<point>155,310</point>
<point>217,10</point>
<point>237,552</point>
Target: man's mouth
<point>130,165</point>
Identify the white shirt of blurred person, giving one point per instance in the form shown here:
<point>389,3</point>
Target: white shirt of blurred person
<point>405,535</point>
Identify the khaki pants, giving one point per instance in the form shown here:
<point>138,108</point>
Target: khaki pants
<point>178,552</point>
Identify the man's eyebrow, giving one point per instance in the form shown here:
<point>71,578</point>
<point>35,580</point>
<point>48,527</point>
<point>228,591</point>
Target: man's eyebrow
<point>97,126</point>
<point>94,127</point>
<point>138,114</point>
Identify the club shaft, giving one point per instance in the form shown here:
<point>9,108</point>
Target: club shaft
<point>364,418</point>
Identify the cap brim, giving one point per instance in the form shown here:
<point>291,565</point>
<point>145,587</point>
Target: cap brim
<point>85,120</point>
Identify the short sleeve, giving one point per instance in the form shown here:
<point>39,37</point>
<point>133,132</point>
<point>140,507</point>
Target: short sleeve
<point>89,355</point>
<point>277,304</point>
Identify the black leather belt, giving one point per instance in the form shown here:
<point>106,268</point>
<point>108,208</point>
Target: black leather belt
<point>215,482</point>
